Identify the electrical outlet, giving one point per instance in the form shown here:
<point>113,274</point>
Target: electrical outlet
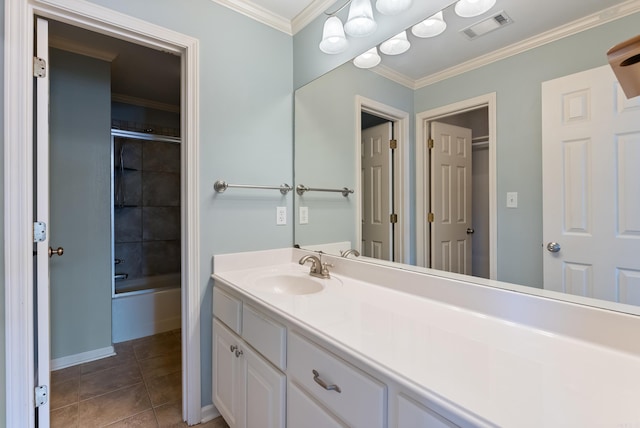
<point>304,215</point>
<point>512,199</point>
<point>281,216</point>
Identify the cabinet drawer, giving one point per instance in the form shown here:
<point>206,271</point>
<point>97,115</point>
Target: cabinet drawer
<point>304,412</point>
<point>266,335</point>
<point>227,309</point>
<point>412,414</point>
<point>361,401</point>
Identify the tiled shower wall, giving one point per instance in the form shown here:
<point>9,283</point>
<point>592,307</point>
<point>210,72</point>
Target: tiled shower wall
<point>147,207</point>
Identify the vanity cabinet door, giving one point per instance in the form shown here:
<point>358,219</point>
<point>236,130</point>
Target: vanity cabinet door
<point>247,390</point>
<point>228,375</point>
<point>264,392</point>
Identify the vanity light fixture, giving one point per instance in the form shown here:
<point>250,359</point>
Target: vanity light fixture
<point>392,7</point>
<point>360,22</point>
<point>368,59</point>
<point>430,27</point>
<point>333,38</point>
<point>470,8</point>
<point>396,45</point>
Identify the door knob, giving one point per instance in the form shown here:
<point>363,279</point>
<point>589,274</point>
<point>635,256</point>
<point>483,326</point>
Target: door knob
<point>470,231</point>
<point>59,251</point>
<point>553,247</point>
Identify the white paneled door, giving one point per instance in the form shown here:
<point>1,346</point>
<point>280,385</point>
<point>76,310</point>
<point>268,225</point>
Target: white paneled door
<point>451,160</point>
<point>377,229</point>
<point>41,214</point>
<point>591,187</point>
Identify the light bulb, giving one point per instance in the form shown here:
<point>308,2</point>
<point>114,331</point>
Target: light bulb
<point>368,59</point>
<point>392,7</point>
<point>396,45</point>
<point>360,22</point>
<point>470,8</point>
<point>333,38</point>
<point>430,27</point>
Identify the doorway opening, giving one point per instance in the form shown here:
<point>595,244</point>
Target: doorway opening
<point>478,115</point>
<point>383,204</point>
<point>23,342</point>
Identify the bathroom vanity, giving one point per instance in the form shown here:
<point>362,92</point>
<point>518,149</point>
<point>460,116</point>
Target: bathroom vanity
<point>378,346</point>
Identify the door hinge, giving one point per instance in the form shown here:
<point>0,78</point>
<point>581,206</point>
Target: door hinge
<point>393,218</point>
<point>431,217</point>
<point>393,144</point>
<point>39,231</point>
<point>39,67</point>
<point>430,143</point>
<point>42,395</point>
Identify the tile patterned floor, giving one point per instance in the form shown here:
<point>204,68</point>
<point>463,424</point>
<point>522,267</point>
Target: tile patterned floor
<point>140,387</point>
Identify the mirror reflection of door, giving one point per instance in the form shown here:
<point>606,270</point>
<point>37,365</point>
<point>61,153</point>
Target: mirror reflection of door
<point>451,227</point>
<point>591,182</point>
<point>468,252</point>
<point>377,191</point>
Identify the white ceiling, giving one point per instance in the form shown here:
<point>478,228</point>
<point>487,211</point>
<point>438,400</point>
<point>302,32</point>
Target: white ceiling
<point>426,58</point>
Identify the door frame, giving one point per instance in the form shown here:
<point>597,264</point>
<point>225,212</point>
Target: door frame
<point>423,171</point>
<point>400,121</point>
<point>19,189</point>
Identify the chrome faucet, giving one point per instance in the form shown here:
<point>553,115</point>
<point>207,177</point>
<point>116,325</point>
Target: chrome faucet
<point>318,269</point>
<point>347,253</point>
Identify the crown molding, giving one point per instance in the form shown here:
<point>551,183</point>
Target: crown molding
<point>591,21</point>
<point>141,102</point>
<point>395,76</point>
<point>81,49</point>
<point>309,13</point>
<point>258,13</point>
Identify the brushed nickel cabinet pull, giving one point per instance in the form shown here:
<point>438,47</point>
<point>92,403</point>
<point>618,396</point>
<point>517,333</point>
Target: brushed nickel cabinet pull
<point>316,378</point>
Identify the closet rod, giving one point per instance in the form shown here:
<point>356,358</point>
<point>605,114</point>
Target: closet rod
<point>220,186</point>
<point>301,188</point>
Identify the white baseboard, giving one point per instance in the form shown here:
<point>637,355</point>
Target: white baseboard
<point>83,357</point>
<point>209,413</point>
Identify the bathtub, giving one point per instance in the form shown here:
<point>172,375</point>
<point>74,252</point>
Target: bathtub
<point>152,306</point>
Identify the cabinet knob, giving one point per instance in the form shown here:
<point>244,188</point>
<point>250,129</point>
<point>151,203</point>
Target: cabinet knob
<point>232,348</point>
<point>238,352</point>
<point>322,383</point>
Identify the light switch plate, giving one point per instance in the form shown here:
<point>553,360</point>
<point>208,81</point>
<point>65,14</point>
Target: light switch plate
<point>304,215</point>
<point>512,199</point>
<point>281,216</point>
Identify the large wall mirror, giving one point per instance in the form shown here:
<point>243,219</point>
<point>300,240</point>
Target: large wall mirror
<point>490,85</point>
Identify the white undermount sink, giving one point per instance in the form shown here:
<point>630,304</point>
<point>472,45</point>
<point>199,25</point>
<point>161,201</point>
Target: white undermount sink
<point>291,283</point>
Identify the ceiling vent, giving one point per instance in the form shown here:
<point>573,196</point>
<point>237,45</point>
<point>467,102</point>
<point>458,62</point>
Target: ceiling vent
<point>487,25</point>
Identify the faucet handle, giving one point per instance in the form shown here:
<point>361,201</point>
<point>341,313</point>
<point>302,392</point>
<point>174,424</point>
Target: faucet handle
<point>325,269</point>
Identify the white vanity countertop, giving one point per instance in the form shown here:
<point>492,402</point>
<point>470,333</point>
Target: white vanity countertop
<point>507,373</point>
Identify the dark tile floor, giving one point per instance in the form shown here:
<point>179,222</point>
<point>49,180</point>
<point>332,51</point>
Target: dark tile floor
<point>141,387</point>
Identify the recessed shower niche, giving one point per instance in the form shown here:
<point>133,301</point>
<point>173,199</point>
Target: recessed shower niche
<point>146,211</point>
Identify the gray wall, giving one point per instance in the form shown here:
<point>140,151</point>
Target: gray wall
<point>517,82</point>
<point>325,147</point>
<point>80,203</point>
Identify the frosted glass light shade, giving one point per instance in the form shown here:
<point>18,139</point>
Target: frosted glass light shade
<point>430,27</point>
<point>368,59</point>
<point>333,38</point>
<point>360,22</point>
<point>470,8</point>
<point>392,7</point>
<point>396,45</point>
